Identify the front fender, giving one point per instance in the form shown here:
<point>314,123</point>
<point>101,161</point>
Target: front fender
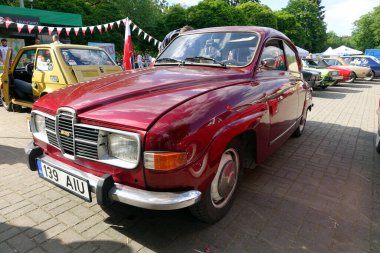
<point>203,127</point>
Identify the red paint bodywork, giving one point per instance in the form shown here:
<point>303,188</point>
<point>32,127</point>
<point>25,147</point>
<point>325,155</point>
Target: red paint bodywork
<point>197,109</point>
<point>342,72</point>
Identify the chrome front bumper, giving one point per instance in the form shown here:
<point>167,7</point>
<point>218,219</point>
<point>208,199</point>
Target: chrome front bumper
<point>126,194</point>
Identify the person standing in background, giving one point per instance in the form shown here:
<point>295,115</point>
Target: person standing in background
<point>3,50</point>
<point>171,36</point>
<point>37,41</point>
<point>139,60</point>
<point>55,39</point>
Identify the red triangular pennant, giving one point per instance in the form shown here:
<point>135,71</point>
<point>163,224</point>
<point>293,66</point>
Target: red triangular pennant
<point>124,21</point>
<point>59,30</point>
<point>92,29</point>
<point>134,27</point>
<point>84,30</point>
<point>19,27</point>
<point>118,23</point>
<point>111,25</point>
<point>40,28</point>
<point>130,22</point>
<point>30,28</point>
<point>50,29</point>
<point>76,30</point>
<point>140,31</point>
<point>68,30</point>
<point>99,28</point>
<point>106,27</point>
<point>8,23</point>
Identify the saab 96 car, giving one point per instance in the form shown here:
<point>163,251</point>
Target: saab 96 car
<point>328,76</point>
<point>178,134</point>
<point>40,69</point>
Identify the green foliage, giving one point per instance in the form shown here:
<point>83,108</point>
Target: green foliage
<point>313,27</point>
<point>287,24</point>
<point>258,14</point>
<point>211,13</point>
<point>237,2</point>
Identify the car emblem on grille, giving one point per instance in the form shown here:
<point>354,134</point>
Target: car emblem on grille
<point>65,133</point>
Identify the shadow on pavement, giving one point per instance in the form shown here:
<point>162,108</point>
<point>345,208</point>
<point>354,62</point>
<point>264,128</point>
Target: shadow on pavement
<point>11,155</point>
<point>351,85</point>
<point>327,94</point>
<point>20,239</point>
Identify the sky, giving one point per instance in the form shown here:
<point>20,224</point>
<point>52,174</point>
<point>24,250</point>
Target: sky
<point>339,16</point>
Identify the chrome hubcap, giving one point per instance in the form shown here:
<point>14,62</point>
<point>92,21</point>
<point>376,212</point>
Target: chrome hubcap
<point>225,180</point>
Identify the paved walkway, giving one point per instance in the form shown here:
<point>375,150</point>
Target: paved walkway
<point>318,193</point>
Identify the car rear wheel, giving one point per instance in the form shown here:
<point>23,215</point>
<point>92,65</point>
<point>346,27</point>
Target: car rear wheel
<point>352,78</point>
<point>370,77</point>
<point>217,200</point>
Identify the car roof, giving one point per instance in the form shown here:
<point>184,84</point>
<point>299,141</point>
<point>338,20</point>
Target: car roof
<point>266,31</point>
<point>57,46</point>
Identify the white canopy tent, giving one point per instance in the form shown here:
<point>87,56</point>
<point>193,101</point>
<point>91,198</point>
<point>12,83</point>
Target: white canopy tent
<point>302,52</point>
<point>340,51</point>
<point>329,52</point>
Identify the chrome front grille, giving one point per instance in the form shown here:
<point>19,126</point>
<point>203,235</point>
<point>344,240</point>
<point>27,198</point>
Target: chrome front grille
<point>65,132</point>
<point>71,138</point>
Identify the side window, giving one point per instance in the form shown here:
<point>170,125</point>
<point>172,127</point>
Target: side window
<point>273,57</point>
<point>44,61</point>
<point>26,58</point>
<point>292,60</point>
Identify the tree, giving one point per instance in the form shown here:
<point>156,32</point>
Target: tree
<point>287,24</point>
<point>314,29</point>
<point>258,14</point>
<point>321,9</point>
<point>210,13</point>
<point>363,35</point>
<point>237,2</point>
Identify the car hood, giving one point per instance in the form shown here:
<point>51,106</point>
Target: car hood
<point>323,71</point>
<point>136,98</point>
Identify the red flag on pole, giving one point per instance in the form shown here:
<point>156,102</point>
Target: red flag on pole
<point>128,48</point>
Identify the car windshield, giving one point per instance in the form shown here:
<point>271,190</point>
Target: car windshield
<point>79,56</point>
<point>374,58</point>
<point>323,63</point>
<point>310,64</point>
<point>234,49</point>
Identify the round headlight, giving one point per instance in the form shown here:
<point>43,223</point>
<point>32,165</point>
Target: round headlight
<point>39,122</point>
<point>123,147</point>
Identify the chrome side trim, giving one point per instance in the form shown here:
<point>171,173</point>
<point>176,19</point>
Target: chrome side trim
<point>133,196</point>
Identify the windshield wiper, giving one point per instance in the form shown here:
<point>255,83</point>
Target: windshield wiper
<point>169,60</point>
<point>207,59</point>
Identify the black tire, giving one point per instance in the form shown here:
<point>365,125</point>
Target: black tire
<point>301,126</point>
<point>324,86</point>
<point>217,200</point>
<point>8,107</point>
<point>370,78</point>
<point>351,78</point>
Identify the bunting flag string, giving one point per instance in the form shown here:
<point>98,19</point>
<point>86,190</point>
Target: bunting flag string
<point>107,27</point>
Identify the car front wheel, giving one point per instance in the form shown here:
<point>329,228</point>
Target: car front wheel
<point>217,200</point>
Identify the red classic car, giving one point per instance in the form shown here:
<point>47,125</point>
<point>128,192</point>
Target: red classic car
<point>347,74</point>
<point>177,134</point>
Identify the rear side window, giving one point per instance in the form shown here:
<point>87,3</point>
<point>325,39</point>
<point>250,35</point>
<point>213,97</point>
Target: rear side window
<point>76,56</point>
<point>292,60</point>
<point>44,61</point>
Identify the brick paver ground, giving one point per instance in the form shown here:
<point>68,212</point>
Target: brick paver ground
<point>318,193</point>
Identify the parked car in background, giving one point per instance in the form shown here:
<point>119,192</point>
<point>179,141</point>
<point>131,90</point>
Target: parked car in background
<point>179,134</point>
<point>329,76</point>
<point>312,77</point>
<point>360,71</point>
<point>46,68</point>
<point>364,61</point>
<point>348,75</point>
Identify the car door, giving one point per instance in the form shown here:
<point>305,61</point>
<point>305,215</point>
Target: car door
<point>5,77</point>
<point>47,75</point>
<point>280,90</point>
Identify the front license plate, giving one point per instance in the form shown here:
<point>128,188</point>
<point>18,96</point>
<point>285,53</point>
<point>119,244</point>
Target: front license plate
<point>66,181</point>
<point>337,77</point>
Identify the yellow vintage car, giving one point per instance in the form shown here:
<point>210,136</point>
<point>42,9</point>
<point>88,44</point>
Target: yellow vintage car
<point>360,72</point>
<point>40,69</point>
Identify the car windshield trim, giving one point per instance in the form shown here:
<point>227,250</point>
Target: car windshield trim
<point>205,58</point>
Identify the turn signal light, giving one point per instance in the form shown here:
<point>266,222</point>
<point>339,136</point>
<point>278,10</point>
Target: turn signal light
<point>164,161</point>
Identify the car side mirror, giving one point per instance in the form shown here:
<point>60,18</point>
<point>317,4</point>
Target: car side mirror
<point>268,63</point>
